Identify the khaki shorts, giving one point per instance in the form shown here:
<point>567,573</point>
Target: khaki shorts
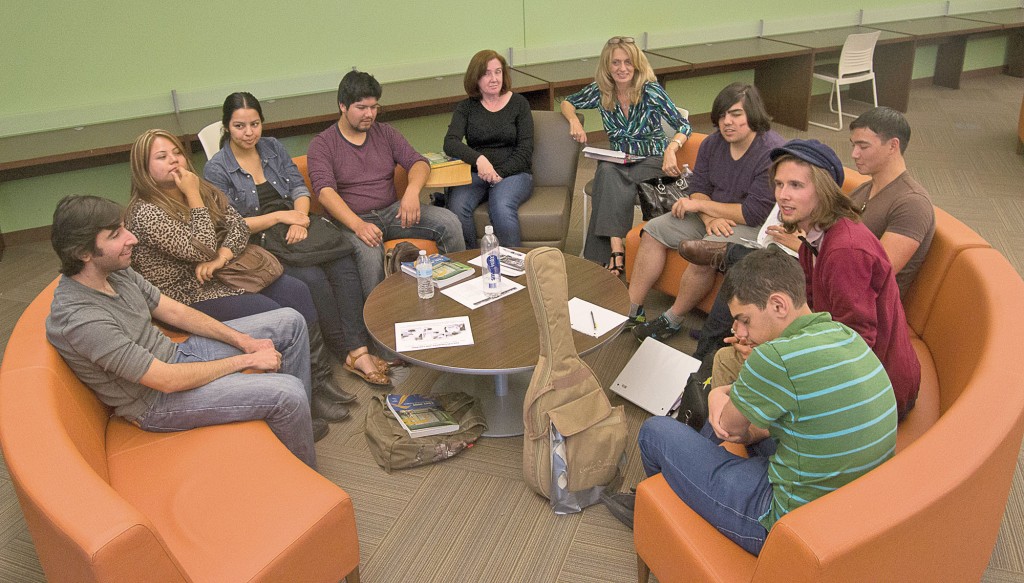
<point>670,231</point>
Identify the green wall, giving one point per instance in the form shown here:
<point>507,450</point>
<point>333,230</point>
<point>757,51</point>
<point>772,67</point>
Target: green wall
<point>77,63</point>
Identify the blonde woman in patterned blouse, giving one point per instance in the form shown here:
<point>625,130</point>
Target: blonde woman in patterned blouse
<point>170,207</point>
<point>632,106</point>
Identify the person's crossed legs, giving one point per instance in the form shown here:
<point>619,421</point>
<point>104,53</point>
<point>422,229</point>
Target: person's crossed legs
<point>281,399</point>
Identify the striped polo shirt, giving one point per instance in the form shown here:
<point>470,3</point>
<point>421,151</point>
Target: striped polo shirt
<point>824,397</point>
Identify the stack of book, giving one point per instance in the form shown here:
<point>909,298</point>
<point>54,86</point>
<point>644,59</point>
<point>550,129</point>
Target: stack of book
<point>440,160</point>
<point>446,271</point>
<point>421,416</point>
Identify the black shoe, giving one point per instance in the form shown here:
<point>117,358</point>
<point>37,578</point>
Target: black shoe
<point>337,394</point>
<point>638,319</point>
<point>323,407</point>
<point>320,429</point>
<point>659,329</point>
<point>621,506</point>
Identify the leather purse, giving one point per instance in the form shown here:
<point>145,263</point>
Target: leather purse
<point>324,242</point>
<point>251,270</point>
<point>657,195</point>
<point>693,407</point>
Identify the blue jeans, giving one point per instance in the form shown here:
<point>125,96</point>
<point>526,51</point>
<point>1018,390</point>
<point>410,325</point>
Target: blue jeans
<point>436,224</point>
<point>503,202</point>
<point>730,492</point>
<point>281,399</point>
<point>338,295</point>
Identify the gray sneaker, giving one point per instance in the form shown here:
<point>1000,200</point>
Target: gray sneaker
<point>659,329</point>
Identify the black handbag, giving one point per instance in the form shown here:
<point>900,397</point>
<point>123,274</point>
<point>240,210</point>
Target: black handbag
<point>324,242</point>
<point>693,408</point>
<point>657,195</point>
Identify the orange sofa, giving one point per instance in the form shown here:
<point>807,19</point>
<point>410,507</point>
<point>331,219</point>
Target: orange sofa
<point>106,501</point>
<point>930,514</point>
<point>675,265</point>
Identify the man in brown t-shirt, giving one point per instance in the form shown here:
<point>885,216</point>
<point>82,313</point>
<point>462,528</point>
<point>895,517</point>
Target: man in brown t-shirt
<point>894,206</point>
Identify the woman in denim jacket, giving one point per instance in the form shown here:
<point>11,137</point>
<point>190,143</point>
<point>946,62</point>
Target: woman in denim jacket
<point>263,184</point>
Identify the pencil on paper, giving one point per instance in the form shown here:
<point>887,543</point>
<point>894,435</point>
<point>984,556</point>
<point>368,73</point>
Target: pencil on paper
<point>594,320</point>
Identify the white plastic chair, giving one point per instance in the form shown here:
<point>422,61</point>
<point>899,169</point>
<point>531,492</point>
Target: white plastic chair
<point>855,65</point>
<point>209,137</point>
<point>669,131</point>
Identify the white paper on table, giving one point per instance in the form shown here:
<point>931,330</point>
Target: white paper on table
<point>471,293</point>
<point>425,334</point>
<point>512,262</point>
<point>602,322</point>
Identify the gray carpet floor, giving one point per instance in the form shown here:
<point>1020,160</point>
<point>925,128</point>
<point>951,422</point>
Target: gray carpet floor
<point>472,518</point>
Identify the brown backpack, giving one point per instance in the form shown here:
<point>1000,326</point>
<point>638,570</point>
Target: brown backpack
<point>568,420</point>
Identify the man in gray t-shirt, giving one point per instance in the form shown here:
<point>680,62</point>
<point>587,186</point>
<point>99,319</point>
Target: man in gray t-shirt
<point>101,323</point>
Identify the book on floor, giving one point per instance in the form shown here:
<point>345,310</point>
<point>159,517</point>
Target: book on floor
<point>446,271</point>
<point>421,416</point>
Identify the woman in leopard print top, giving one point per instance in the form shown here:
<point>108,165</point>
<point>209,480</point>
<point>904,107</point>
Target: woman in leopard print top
<point>170,205</point>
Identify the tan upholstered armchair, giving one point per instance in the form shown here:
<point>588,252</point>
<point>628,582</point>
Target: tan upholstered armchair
<point>544,217</point>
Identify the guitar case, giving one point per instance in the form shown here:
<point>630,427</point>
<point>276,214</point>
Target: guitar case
<point>574,441</point>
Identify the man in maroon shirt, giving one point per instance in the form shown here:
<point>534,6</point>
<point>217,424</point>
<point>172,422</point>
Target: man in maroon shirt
<point>352,168</point>
<point>848,272</point>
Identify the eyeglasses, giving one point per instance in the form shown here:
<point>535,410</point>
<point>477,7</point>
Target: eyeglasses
<point>621,40</point>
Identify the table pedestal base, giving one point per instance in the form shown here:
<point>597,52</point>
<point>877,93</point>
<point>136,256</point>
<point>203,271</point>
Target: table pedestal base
<point>500,396</point>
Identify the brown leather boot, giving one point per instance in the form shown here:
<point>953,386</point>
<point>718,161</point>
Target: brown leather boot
<point>702,252</point>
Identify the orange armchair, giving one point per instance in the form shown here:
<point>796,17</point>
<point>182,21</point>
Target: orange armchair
<point>932,513</point>
<point>106,501</point>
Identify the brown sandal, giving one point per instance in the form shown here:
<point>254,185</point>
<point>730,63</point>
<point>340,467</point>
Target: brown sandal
<point>614,265</point>
<point>376,377</point>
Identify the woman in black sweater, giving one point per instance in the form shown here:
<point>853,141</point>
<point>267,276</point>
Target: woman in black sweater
<point>498,131</point>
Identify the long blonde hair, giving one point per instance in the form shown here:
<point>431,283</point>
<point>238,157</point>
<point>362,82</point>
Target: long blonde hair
<point>144,188</point>
<point>643,73</point>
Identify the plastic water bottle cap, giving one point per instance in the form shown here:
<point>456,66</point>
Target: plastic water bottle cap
<point>423,251</point>
<point>488,230</point>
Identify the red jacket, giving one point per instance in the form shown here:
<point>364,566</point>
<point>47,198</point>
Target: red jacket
<point>853,280</point>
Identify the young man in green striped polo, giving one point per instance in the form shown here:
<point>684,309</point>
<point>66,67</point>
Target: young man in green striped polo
<point>812,403</point>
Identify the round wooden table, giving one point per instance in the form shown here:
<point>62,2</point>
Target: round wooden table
<point>505,333</point>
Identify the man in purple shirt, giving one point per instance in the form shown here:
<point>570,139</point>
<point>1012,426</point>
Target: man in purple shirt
<point>352,168</point>
<point>730,197</point>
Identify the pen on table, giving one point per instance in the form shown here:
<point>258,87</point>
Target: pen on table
<point>592,319</point>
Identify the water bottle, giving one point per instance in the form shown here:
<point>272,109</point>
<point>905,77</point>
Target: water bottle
<point>490,263</point>
<point>424,276</point>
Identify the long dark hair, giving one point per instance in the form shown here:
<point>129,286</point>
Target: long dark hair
<point>236,101</point>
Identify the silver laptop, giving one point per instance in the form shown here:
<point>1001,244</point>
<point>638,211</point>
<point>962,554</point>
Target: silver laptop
<point>655,377</point>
